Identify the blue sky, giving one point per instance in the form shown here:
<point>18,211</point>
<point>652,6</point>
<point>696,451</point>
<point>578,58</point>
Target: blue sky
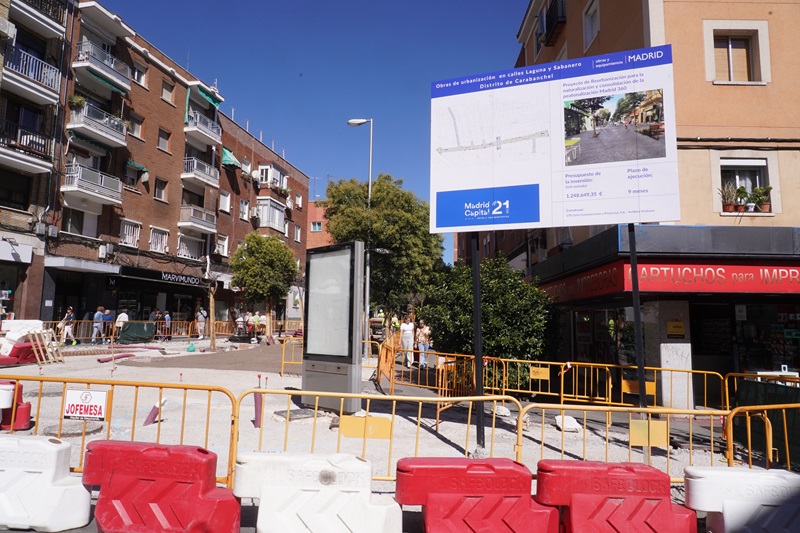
<point>297,70</point>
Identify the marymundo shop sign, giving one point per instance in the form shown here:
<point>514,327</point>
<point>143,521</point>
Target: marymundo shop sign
<point>158,275</point>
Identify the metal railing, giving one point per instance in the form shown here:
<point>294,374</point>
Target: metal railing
<point>295,352</point>
<point>192,165</point>
<point>99,120</point>
<point>200,121</point>
<point>775,448</point>
<point>198,215</point>
<point>32,68</point>
<point>89,179</point>
<point>12,135</point>
<point>54,9</point>
<point>94,53</point>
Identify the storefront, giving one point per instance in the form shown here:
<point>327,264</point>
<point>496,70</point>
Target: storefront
<point>140,291</point>
<point>707,310</point>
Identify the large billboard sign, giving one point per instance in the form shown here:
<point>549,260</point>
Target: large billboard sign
<point>580,142</point>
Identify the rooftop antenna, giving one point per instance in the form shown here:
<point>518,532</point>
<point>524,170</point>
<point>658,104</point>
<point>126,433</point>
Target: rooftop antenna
<point>188,53</point>
<point>273,145</point>
<point>215,83</point>
<point>233,113</point>
<point>247,125</point>
<point>261,136</point>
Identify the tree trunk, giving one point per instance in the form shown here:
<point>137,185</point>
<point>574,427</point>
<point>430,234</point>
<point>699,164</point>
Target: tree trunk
<point>212,291</point>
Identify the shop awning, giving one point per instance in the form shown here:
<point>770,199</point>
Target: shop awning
<point>112,86</point>
<point>83,138</point>
<point>137,166</point>
<point>229,160</point>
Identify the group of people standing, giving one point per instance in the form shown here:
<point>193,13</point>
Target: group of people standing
<point>163,322</point>
<point>419,335</point>
<point>103,325</point>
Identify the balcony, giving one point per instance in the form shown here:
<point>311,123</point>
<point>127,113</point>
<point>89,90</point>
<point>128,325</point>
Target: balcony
<point>84,183</point>
<point>190,248</point>
<point>101,70</point>
<point>46,17</point>
<point>197,219</point>
<point>202,129</point>
<point>98,125</point>
<point>556,19</point>
<point>200,173</point>
<point>30,77</point>
<point>24,150</point>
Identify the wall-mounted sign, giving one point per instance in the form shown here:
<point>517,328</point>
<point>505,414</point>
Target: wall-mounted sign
<point>85,405</point>
<point>675,330</point>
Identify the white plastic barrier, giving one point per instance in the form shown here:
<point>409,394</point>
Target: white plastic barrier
<point>308,493</point>
<point>741,499</point>
<point>36,489</point>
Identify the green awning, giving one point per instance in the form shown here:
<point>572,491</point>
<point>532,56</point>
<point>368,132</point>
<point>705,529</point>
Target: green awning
<point>89,140</point>
<point>213,100</point>
<point>137,166</point>
<point>229,160</point>
<point>111,85</point>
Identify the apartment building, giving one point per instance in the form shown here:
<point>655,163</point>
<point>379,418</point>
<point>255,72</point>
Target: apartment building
<point>122,178</point>
<point>318,227</point>
<point>33,34</point>
<point>719,289</point>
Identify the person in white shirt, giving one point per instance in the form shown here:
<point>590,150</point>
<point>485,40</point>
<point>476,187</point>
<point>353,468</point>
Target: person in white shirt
<point>407,340</point>
<point>121,319</point>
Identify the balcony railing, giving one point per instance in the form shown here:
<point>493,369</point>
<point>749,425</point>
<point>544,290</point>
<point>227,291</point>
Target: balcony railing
<point>93,181</point>
<point>192,165</point>
<point>99,119</point>
<point>556,18</point>
<point>88,51</point>
<point>204,123</point>
<point>54,9</point>
<point>190,248</point>
<point>32,68</point>
<point>12,135</point>
<point>198,215</point>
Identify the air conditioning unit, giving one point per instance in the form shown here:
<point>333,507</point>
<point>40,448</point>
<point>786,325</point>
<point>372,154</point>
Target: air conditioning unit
<point>40,228</point>
<point>7,29</point>
<point>253,212</point>
<point>109,248</point>
<point>101,252</point>
<point>52,231</point>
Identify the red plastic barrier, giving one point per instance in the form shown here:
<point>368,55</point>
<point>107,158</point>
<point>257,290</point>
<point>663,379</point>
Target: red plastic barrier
<point>611,497</point>
<point>472,495</point>
<point>150,488</point>
<point>22,417</point>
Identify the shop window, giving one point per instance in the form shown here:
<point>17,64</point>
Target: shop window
<point>158,240</point>
<point>591,23</point>
<point>737,51</point>
<point>160,190</point>
<point>129,233</point>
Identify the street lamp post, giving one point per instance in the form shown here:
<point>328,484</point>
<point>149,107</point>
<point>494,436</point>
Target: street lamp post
<point>360,122</point>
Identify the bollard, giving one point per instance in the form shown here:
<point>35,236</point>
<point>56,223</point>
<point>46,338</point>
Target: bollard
<point>157,407</point>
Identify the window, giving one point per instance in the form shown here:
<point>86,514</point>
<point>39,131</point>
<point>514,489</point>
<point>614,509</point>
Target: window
<point>747,173</point>
<point>160,190</point>
<point>316,227</point>
<point>297,233</point>
<point>158,240</point>
<point>272,214</point>
<point>136,126</point>
<point>190,248</point>
<point>246,165</point>
<point>591,23</point>
<point>244,207</point>
<point>163,140</point>
<point>140,73</point>
<point>72,221</point>
<point>14,194</point>
<point>129,233</point>
<point>131,176</point>
<point>225,201</point>
<point>298,201</point>
<point>286,228</point>
<point>737,52</point>
<point>166,91</point>
<point>222,245</point>
<point>539,32</point>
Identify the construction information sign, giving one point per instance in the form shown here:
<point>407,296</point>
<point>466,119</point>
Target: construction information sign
<point>85,405</point>
<point>580,142</point>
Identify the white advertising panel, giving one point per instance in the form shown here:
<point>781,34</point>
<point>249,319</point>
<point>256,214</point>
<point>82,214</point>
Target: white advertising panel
<point>330,303</point>
<point>580,142</point>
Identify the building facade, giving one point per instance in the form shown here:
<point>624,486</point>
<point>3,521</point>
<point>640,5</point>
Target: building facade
<point>121,174</point>
<point>719,289</point>
<point>317,227</point>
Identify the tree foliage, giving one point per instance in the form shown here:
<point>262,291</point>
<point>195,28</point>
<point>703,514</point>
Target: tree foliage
<point>628,103</point>
<point>397,222</point>
<point>264,267</point>
<point>518,318</point>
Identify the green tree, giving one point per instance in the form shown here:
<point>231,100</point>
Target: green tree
<point>397,223</point>
<point>628,103</point>
<point>264,268</point>
<point>518,318</point>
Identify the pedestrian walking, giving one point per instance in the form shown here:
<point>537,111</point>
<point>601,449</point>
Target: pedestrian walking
<point>201,317</point>
<point>97,325</point>
<point>108,326</point>
<point>68,323</point>
<point>167,326</point>
<point>407,340</point>
<point>121,319</point>
<point>424,342</point>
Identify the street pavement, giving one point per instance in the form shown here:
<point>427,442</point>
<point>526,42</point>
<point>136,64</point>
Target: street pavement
<point>616,143</point>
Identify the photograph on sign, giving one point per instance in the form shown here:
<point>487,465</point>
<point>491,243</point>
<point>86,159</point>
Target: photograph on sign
<point>579,142</point>
<point>85,405</point>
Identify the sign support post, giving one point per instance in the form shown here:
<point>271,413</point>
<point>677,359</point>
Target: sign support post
<point>478,337</point>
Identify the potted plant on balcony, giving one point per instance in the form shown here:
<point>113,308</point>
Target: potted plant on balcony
<point>741,198</point>
<point>760,197</point>
<point>728,196</point>
<point>76,102</point>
